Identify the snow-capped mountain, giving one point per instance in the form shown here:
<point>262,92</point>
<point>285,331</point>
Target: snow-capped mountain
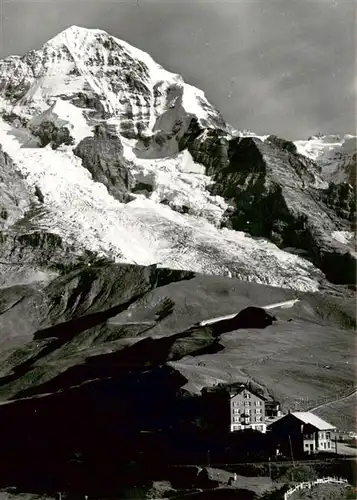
<point>128,162</point>
<point>102,74</point>
<point>335,154</point>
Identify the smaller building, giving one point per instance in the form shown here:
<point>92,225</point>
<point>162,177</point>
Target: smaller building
<point>272,409</point>
<point>344,436</point>
<point>302,432</point>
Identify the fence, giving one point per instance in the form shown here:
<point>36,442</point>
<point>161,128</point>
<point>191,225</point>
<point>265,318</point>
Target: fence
<point>282,462</point>
<point>310,484</point>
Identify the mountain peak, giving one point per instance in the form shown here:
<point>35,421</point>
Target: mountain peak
<point>75,31</point>
<point>108,78</point>
<point>74,28</point>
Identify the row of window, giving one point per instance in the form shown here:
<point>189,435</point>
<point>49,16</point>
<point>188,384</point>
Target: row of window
<point>246,403</point>
<point>247,420</point>
<point>324,445</point>
<point>322,435</point>
<point>257,427</point>
<point>246,410</point>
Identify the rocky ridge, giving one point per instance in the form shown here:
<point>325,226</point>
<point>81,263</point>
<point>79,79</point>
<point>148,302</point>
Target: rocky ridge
<point>277,193</point>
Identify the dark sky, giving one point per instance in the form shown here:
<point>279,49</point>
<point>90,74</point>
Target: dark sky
<point>274,66</point>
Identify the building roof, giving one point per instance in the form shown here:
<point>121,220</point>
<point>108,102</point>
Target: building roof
<point>234,392</point>
<point>310,418</point>
<point>270,402</point>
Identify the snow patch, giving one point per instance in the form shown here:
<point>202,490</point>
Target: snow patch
<point>344,237</point>
<point>179,181</point>
<point>332,152</point>
<point>191,103</point>
<point>316,148</point>
<point>64,114</point>
<point>46,89</point>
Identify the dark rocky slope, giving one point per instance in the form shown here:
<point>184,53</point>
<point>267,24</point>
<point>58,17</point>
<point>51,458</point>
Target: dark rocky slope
<point>103,156</point>
<point>15,197</point>
<point>276,193</point>
<point>169,128</point>
<point>49,133</point>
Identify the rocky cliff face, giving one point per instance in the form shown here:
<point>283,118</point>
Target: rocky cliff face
<point>103,156</point>
<point>48,133</point>
<point>15,196</point>
<point>341,199</point>
<point>276,193</point>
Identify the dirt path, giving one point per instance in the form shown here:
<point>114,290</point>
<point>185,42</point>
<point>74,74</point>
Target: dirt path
<point>338,400</point>
<point>286,304</point>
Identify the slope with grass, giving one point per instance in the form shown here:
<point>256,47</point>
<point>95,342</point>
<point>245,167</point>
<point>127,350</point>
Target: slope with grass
<point>75,328</point>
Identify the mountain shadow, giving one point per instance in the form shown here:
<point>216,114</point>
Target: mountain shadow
<point>151,352</point>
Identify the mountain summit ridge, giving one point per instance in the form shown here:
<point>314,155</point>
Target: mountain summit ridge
<point>90,61</point>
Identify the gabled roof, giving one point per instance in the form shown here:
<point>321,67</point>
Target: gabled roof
<point>239,390</point>
<point>230,391</point>
<point>314,420</point>
<point>271,402</point>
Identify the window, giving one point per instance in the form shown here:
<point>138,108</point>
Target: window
<point>328,444</point>
<point>246,403</point>
<point>322,435</point>
<point>328,435</point>
<point>236,419</point>
<point>258,410</point>
<point>258,419</point>
<point>246,395</point>
<point>258,403</point>
<point>247,411</point>
<point>235,403</point>
<point>236,411</point>
<point>236,427</point>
